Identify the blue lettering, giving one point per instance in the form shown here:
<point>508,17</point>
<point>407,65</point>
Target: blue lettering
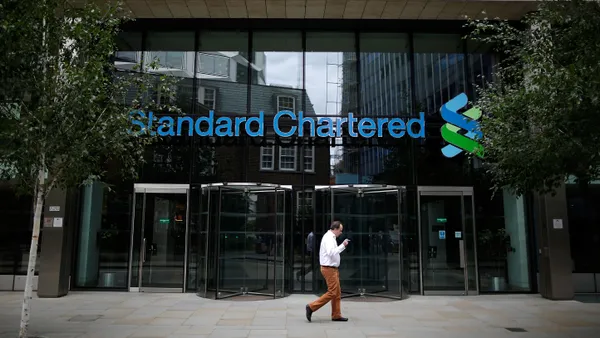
<point>166,122</point>
<point>351,120</point>
<point>380,125</point>
<point>255,126</point>
<point>339,126</point>
<point>276,123</point>
<point>328,125</point>
<point>238,122</point>
<point>190,121</point>
<point>261,125</point>
<point>365,127</point>
<point>301,121</point>
<point>421,122</point>
<point>223,123</point>
<point>136,122</point>
<point>395,125</point>
<point>151,120</point>
<point>209,120</point>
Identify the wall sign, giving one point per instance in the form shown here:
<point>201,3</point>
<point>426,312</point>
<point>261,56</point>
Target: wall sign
<point>226,126</point>
<point>455,122</point>
<point>442,234</point>
<point>557,223</point>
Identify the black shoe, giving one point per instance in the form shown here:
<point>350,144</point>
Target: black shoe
<point>309,313</point>
<point>341,319</point>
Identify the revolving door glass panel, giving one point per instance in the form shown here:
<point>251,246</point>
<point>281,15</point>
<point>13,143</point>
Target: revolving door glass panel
<point>371,215</point>
<point>245,241</point>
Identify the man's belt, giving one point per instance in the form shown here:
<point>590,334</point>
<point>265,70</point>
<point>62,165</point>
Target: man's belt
<point>330,267</point>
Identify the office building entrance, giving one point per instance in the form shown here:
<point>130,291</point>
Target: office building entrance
<point>223,240</point>
<point>447,239</point>
<point>372,217</point>
<point>242,240</point>
<point>159,238</point>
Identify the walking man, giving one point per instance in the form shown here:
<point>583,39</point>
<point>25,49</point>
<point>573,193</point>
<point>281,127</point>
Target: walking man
<point>329,258</point>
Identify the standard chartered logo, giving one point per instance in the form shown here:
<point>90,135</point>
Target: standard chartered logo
<point>467,121</point>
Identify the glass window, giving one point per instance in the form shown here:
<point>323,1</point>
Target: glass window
<point>104,236</point>
<point>502,240</point>
<point>15,231</point>
<point>222,86</point>
<point>207,97</point>
<point>304,203</point>
<point>584,226</point>
<point>128,55</point>
<point>332,92</point>
<point>223,63</point>
<point>385,57</point>
<point>267,157</point>
<point>287,158</point>
<point>439,76</point>
<point>286,103</point>
<point>213,64</point>
<point>309,158</point>
<point>172,54</point>
<point>277,78</point>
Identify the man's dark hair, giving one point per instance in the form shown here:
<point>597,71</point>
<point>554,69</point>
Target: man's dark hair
<point>335,225</point>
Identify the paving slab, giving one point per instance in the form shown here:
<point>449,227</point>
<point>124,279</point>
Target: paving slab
<point>144,315</point>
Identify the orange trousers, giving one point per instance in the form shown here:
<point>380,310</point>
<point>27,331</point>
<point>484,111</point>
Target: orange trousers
<point>333,294</point>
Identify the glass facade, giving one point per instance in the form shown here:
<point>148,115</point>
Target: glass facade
<point>228,216</point>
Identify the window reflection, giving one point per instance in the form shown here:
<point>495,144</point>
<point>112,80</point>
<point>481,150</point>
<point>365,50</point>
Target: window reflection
<point>128,55</point>
<point>170,54</point>
<point>104,237</point>
<point>385,82</point>
<point>280,55</point>
<point>15,232</point>
<point>327,75</point>
<point>439,76</point>
<point>331,85</point>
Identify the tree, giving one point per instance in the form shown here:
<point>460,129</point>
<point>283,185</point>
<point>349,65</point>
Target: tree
<point>541,109</point>
<point>64,108</point>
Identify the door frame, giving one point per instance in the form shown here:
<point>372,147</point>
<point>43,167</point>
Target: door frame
<point>361,190</point>
<point>157,188</point>
<point>457,191</point>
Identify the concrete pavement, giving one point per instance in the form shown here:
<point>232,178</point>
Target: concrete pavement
<point>143,315</point>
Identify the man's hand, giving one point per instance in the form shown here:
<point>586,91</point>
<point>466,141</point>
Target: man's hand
<point>346,241</point>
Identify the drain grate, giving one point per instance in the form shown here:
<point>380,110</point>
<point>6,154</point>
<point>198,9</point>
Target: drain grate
<point>515,329</point>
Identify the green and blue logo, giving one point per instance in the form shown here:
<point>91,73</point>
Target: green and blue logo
<point>467,121</point>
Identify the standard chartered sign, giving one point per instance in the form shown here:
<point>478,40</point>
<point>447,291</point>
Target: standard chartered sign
<point>285,124</point>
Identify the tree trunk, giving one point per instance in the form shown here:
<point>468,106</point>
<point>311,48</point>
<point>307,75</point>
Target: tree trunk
<point>39,201</point>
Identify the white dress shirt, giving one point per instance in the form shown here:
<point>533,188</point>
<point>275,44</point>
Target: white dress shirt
<point>329,254</point>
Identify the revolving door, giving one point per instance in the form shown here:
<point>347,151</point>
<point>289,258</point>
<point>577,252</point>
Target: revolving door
<point>372,217</point>
<point>244,232</point>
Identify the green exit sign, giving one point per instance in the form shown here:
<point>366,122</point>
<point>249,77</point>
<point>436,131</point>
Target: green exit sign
<point>442,220</point>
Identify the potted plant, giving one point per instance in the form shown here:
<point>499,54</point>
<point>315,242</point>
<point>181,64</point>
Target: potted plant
<point>494,246</point>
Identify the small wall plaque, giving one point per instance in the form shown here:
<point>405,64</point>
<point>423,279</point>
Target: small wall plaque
<point>557,223</point>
